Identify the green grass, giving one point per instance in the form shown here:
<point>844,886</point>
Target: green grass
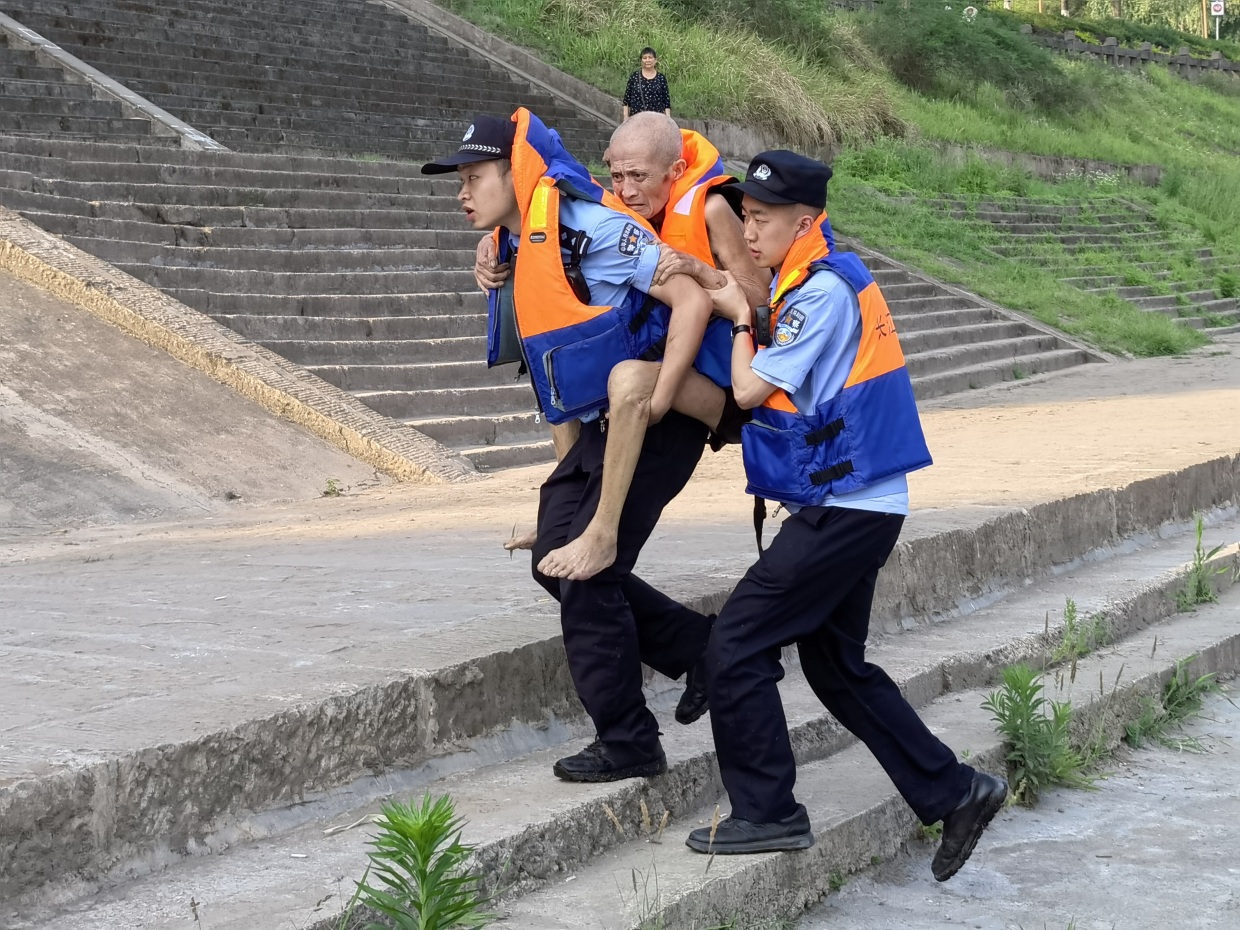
<point>1180,701</point>
<point>885,88</point>
<point>1036,731</point>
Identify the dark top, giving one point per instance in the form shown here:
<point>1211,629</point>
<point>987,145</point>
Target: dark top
<point>644,94</point>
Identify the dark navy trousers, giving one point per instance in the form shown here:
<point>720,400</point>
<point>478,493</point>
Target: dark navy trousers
<point>814,586</point>
<point>614,621</point>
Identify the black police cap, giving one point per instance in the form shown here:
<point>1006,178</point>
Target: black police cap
<point>782,177</point>
<point>486,139</point>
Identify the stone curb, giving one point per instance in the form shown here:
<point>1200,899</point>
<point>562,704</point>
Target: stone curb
<point>280,387</point>
<point>118,810</point>
<point>545,851</point>
<point>783,886</point>
<point>130,102</point>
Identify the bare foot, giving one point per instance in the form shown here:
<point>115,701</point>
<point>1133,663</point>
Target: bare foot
<point>583,558</point>
<point>524,541</point>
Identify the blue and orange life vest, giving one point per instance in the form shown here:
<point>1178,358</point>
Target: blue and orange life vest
<point>568,345</point>
<point>684,228</point>
<point>869,431</point>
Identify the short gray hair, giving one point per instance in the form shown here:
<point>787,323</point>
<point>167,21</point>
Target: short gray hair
<point>657,132</point>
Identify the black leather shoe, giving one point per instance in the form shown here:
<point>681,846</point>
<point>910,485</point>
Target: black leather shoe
<point>693,702</point>
<point>728,432</point>
<point>963,827</point>
<point>599,763</point>
<point>741,836</point>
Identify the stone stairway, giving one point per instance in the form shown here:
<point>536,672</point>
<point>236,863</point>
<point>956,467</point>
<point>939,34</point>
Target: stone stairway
<point>298,76</point>
<point>360,272</point>
<point>135,854</point>
<point>1163,271</point>
<point>36,100</point>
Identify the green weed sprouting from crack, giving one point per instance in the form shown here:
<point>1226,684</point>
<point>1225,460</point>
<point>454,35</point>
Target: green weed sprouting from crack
<point>930,834</point>
<point>333,488</point>
<point>1036,732</point>
<point>1197,588</point>
<point>1080,635</point>
<point>425,881</point>
<point>1181,700</point>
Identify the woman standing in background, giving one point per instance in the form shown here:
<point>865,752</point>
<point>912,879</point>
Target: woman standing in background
<point>647,88</point>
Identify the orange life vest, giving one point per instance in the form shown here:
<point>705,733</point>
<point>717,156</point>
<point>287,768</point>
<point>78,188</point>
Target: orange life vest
<point>569,346</point>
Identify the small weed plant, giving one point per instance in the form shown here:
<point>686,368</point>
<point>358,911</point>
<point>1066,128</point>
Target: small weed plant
<point>1081,635</point>
<point>1197,588</point>
<point>1040,755</point>
<point>1180,701</point>
<point>333,488</point>
<point>421,878</point>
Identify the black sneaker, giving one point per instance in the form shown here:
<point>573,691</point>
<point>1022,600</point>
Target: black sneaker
<point>728,432</point>
<point>734,835</point>
<point>693,703</point>
<point>598,763</point>
<point>963,827</point>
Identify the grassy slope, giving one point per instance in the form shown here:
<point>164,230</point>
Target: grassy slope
<point>882,85</point>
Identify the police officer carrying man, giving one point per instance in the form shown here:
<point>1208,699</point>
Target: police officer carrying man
<point>672,178</point>
<point>582,299</point>
<point>834,433</point>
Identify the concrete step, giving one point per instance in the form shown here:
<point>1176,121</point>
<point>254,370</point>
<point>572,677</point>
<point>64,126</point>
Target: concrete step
<point>15,88</point>
<point>234,237</point>
<point>102,126</point>
<point>18,70</point>
<point>286,260</point>
<point>930,340</point>
<point>223,196</point>
<point>508,454</point>
<point>565,855</point>
<point>273,328</point>
<point>376,352</point>
<point>474,433</point>
<point>104,152</point>
<point>229,281</point>
<point>972,354</point>
<point>12,107</point>
<point>416,377</point>
<point>985,374</point>
<point>937,313</point>
<point>361,306</point>
<point>509,396</point>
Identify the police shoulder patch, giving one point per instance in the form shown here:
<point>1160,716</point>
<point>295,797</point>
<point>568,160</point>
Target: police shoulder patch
<point>633,240</point>
<point>789,327</point>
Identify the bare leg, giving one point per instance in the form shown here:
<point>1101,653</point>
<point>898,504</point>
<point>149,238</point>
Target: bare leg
<point>628,390</point>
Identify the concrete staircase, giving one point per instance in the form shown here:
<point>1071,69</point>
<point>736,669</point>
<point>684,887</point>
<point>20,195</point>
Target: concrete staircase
<point>360,272</point>
<point>136,853</point>
<point>36,100</point>
<point>298,76</point>
<point>1164,271</point>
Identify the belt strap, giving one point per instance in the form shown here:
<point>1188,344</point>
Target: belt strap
<point>825,433</point>
<point>759,516</point>
<point>835,472</point>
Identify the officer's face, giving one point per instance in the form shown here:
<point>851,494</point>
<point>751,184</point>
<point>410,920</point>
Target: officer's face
<point>639,180</point>
<point>770,230</point>
<point>487,194</point>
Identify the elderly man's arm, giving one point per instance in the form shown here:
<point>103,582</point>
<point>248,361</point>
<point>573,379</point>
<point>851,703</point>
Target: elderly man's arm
<point>691,309</point>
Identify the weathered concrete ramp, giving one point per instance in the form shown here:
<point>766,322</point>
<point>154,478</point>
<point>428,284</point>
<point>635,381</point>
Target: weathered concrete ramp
<point>97,427</point>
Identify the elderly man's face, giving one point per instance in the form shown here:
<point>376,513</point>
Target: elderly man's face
<point>639,180</point>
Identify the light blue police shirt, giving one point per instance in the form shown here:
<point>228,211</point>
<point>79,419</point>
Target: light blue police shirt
<point>814,347</point>
<point>621,254</point>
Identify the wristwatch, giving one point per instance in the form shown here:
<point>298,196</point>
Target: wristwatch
<point>741,328</point>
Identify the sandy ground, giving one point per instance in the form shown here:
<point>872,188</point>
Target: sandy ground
<point>1154,848</point>
<point>1018,444</point>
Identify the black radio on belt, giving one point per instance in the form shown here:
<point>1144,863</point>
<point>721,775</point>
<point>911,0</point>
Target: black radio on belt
<point>762,324</point>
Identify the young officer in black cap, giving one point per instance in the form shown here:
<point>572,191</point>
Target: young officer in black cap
<point>834,433</point>
<point>613,622</point>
